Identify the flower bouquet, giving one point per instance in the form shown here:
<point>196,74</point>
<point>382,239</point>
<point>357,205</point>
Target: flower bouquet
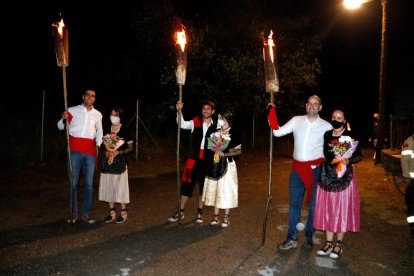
<point>343,148</point>
<point>112,142</point>
<point>218,141</point>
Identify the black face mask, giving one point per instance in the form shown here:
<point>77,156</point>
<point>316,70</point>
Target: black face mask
<point>335,124</point>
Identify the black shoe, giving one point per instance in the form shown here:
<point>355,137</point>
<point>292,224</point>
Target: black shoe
<point>337,250</point>
<point>174,218</point>
<point>326,249</point>
<point>215,220</point>
<point>226,221</point>
<point>122,217</point>
<point>309,241</point>
<point>112,216</point>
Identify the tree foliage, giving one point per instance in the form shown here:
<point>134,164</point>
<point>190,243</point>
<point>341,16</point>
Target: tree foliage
<point>225,60</point>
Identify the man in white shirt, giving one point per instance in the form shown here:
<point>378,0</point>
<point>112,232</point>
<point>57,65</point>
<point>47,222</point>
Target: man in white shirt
<point>85,137</point>
<point>308,131</point>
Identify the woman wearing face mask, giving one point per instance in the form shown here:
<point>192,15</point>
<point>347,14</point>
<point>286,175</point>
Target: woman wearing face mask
<point>221,183</point>
<point>113,182</point>
<point>337,207</point>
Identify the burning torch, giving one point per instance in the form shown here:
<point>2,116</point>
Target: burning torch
<point>272,86</point>
<point>180,73</point>
<point>60,35</point>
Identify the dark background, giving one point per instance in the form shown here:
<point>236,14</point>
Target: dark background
<point>104,55</point>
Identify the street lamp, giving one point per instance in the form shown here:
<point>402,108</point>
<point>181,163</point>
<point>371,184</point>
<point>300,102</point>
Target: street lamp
<point>353,4</point>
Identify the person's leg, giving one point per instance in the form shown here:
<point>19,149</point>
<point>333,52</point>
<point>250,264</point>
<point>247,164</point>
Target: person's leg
<point>76,161</point>
<point>337,249</point>
<point>186,192</point>
<point>329,236</point>
<point>112,213</point>
<point>89,162</point>
<point>201,175</point>
<point>183,201</point>
<point>296,193</point>
<point>124,214</point>
<point>216,219</point>
<point>328,246</point>
<point>226,220</point>
<point>309,230</point>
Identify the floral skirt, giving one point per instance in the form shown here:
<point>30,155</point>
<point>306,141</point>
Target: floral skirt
<point>114,187</point>
<point>338,211</point>
<point>222,193</point>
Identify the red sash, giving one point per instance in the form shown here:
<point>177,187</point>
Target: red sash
<point>83,145</point>
<point>304,170</point>
<point>187,170</point>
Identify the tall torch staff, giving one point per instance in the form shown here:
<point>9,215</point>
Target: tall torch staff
<point>60,35</point>
<point>180,73</point>
<point>272,86</point>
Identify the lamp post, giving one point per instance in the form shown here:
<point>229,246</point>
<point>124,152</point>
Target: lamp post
<point>353,4</point>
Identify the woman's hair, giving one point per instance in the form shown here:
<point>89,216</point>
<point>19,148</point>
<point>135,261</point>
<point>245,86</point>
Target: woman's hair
<point>343,111</point>
<point>119,111</point>
<point>228,115</point>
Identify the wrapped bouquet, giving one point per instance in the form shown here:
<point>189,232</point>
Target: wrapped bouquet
<point>342,148</point>
<point>112,142</point>
<point>218,141</point>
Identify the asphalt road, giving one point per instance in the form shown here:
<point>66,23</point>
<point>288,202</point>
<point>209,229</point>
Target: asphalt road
<point>35,239</point>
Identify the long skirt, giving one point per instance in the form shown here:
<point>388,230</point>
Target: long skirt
<point>114,187</point>
<point>338,212</point>
<point>222,193</point>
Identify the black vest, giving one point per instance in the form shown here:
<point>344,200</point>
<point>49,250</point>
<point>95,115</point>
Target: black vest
<point>196,137</point>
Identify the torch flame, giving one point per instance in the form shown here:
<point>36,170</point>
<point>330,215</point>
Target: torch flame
<point>59,27</point>
<point>181,39</point>
<point>271,44</point>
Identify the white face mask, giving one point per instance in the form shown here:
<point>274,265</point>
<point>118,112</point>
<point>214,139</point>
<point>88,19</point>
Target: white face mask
<point>115,119</point>
<point>220,122</point>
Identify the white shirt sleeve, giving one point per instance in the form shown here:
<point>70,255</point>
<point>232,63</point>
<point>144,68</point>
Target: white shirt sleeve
<point>60,124</point>
<point>285,129</point>
<point>186,124</point>
<point>99,132</point>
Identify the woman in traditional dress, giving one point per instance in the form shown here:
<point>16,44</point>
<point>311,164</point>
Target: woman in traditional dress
<point>221,183</point>
<point>337,207</point>
<point>113,183</point>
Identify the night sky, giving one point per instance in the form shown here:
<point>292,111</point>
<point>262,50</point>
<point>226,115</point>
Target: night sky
<point>350,56</point>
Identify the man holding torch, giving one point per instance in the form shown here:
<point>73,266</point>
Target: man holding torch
<point>308,131</point>
<point>195,169</point>
<point>85,130</point>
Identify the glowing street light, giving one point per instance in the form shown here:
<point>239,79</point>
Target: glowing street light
<point>353,4</point>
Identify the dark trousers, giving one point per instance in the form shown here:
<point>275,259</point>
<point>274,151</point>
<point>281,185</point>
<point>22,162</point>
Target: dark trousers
<point>198,174</point>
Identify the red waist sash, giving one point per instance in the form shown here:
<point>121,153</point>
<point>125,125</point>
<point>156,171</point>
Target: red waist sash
<point>304,170</point>
<point>83,145</point>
